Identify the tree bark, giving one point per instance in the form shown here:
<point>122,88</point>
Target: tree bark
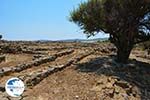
<point>123,55</point>
<point>124,46</point>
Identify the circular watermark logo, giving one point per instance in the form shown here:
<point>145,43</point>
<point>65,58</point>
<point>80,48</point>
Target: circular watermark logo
<point>14,87</point>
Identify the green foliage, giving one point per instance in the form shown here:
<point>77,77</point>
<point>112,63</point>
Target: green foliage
<point>127,21</point>
<point>88,16</point>
<point>116,17</point>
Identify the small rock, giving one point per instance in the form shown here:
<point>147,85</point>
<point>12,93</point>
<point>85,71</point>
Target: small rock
<point>2,58</point>
<point>122,84</point>
<point>96,88</point>
<point>117,90</point>
<point>2,89</point>
<point>109,86</point>
<point>100,82</point>
<point>111,80</point>
<point>129,91</point>
<point>1,72</point>
<point>111,93</point>
<point>135,91</point>
<point>76,96</point>
<point>125,96</point>
<point>7,70</point>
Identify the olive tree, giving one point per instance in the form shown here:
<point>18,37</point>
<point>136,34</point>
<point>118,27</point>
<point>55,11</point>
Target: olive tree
<point>126,21</point>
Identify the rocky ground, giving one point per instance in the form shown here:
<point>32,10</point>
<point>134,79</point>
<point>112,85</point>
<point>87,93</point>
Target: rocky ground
<point>74,71</point>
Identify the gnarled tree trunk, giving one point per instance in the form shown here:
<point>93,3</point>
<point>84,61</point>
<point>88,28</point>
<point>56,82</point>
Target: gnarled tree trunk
<point>124,46</point>
<point>123,54</point>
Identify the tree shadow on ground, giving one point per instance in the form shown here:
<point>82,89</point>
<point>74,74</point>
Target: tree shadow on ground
<point>135,73</point>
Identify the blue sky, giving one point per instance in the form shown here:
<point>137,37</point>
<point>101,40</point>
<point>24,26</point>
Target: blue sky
<point>39,19</point>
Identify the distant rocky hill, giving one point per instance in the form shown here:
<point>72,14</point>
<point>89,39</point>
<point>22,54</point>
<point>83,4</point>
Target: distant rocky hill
<point>66,40</point>
<point>77,40</point>
<point>85,40</point>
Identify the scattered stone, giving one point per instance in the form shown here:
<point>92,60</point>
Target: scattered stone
<point>110,93</point>
<point>100,82</point>
<point>125,96</point>
<point>36,78</point>
<point>111,80</point>
<point>117,90</point>
<point>135,91</point>
<point>2,89</point>
<point>2,58</point>
<point>38,56</point>
<point>36,62</point>
<point>129,90</point>
<point>97,88</point>
<point>7,70</point>
<point>76,96</point>
<point>1,72</point>
<point>122,84</point>
<point>109,86</point>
